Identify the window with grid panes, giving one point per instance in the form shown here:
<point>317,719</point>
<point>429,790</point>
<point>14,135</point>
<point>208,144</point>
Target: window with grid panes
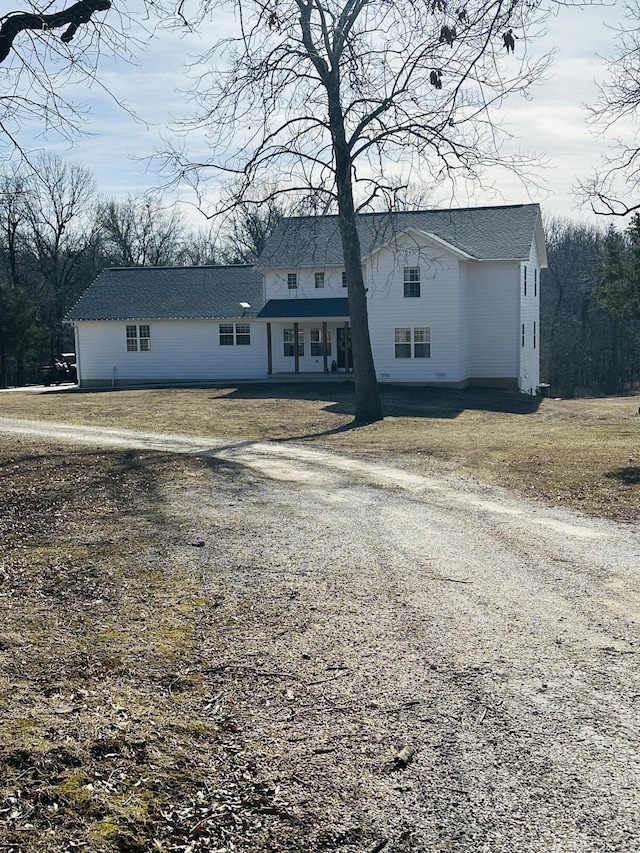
<point>403,343</point>
<point>422,342</point>
<point>288,338</point>
<point>243,334</point>
<point>319,279</point>
<point>317,346</point>
<point>144,333</point>
<point>138,338</point>
<point>132,339</point>
<point>292,280</point>
<point>411,282</point>
<point>226,334</point>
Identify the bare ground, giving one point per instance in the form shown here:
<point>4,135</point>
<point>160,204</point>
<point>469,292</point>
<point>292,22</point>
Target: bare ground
<point>284,651</point>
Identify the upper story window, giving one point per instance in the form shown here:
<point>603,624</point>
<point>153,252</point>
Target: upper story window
<point>292,280</point>
<point>138,338</point>
<point>319,279</point>
<point>535,282</point>
<point>411,281</point>
<point>344,276</point>
<point>525,281</point>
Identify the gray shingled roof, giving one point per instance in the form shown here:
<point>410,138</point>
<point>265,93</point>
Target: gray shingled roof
<point>485,233</point>
<point>305,308</point>
<point>170,293</point>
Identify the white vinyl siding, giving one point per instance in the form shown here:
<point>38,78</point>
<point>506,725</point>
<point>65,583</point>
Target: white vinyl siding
<point>493,320</point>
<point>183,351</point>
<point>437,309</point>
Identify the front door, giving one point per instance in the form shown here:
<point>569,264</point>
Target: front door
<point>343,343</point>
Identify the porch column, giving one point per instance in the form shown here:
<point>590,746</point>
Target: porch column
<point>296,352</point>
<point>346,346</point>
<point>325,355</point>
<point>269,351</point>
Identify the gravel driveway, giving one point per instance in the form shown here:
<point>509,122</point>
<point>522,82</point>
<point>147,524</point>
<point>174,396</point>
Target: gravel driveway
<point>435,664</point>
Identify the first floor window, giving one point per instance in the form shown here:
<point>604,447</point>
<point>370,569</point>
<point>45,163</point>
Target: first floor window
<point>419,338</point>
<point>403,343</point>
<point>240,334</point>
<point>243,334</point>
<point>226,334</point>
<point>422,342</point>
<point>144,333</point>
<point>317,344</point>
<point>138,338</point>
<point>534,334</point>
<point>288,337</point>
<point>411,281</point>
<point>292,281</point>
<point>523,335</point>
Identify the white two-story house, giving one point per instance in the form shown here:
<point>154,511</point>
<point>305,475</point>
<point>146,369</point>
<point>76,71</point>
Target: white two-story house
<point>453,296</point>
<point>453,299</point>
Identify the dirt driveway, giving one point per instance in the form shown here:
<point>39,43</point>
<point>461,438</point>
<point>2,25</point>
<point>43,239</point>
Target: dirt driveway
<point>434,665</point>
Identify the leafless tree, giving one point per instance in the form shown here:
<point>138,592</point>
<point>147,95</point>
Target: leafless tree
<point>141,232</point>
<point>57,234</point>
<point>349,99</point>
<point>613,188</point>
<point>44,47</point>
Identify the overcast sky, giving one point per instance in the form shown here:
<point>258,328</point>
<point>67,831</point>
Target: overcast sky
<point>553,123</point>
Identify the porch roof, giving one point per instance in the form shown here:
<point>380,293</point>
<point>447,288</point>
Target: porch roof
<point>336,308</point>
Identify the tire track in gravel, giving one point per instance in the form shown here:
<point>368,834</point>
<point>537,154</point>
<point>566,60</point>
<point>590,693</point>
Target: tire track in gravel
<point>499,638</point>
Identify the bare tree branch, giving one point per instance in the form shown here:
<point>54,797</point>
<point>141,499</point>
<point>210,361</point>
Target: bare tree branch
<point>79,13</point>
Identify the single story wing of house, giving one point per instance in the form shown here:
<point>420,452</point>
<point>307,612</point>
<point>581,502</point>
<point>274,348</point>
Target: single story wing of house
<point>453,299</point>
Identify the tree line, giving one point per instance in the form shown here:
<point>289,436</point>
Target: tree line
<point>58,233</point>
<point>589,321</point>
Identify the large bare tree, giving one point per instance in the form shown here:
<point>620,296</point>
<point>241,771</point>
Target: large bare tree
<point>351,99</point>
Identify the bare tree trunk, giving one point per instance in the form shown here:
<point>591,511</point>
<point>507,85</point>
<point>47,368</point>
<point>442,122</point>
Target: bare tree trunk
<point>367,393</point>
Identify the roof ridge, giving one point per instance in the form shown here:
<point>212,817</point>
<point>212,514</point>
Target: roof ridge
<point>412,212</point>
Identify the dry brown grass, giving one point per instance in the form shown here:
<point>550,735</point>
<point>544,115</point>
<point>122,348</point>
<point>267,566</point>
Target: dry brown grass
<point>579,453</point>
<point>112,735</point>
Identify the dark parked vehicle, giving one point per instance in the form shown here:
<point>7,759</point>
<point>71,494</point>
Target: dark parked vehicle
<point>62,370</point>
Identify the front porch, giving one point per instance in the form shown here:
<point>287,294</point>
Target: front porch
<point>308,337</point>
